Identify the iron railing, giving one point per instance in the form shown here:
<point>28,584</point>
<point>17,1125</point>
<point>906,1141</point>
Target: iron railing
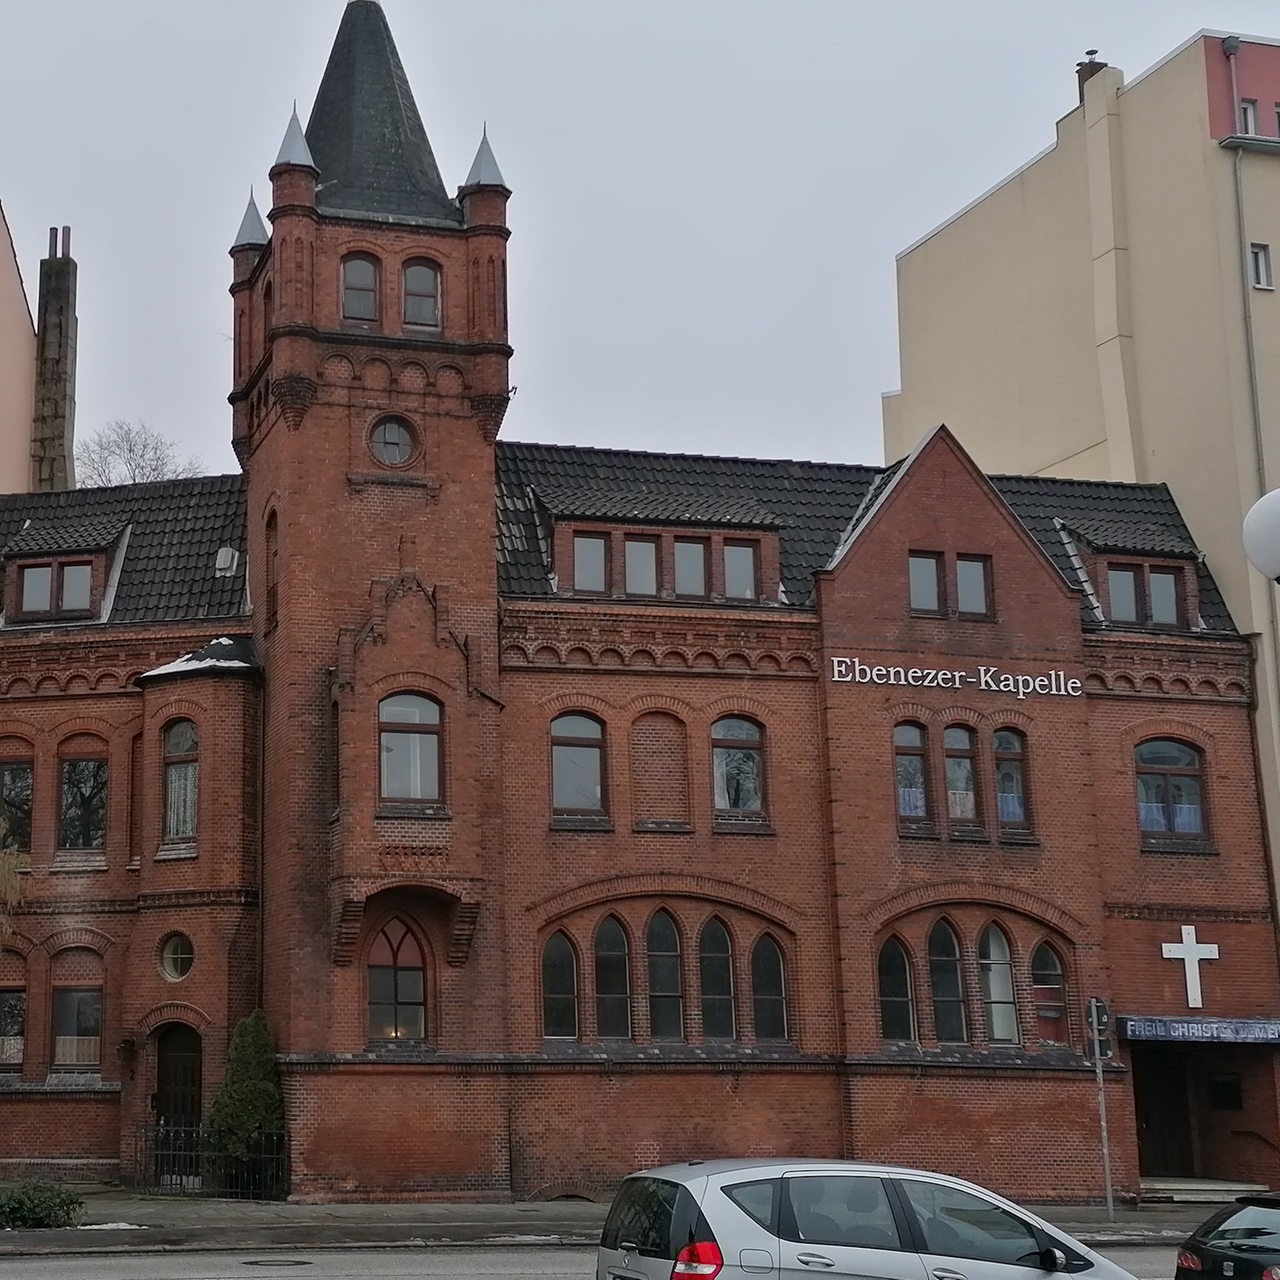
<point>193,1161</point>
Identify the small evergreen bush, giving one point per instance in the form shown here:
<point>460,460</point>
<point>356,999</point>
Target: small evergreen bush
<point>34,1204</point>
<point>246,1122</point>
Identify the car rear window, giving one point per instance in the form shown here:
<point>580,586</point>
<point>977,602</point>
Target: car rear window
<point>1249,1224</point>
<point>758,1200</point>
<point>657,1216</point>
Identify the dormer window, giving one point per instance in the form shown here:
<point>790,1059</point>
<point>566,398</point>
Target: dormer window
<point>61,589</point>
<point>1145,595</point>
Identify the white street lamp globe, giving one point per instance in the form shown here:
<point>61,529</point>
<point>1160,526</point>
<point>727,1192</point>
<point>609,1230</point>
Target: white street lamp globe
<point>1261,534</point>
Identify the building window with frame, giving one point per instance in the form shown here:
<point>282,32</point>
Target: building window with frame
<point>715,971</point>
<point>690,567</point>
<point>83,818</point>
<point>1249,116</point>
<point>559,989</point>
<point>392,442</point>
<point>897,1002</point>
<point>410,726</point>
<point>924,582</point>
<point>77,1028</point>
<point>960,756</point>
<point>591,563</point>
<point>422,295</point>
<point>397,985</point>
<point>666,986</point>
<point>613,981</point>
<point>360,288</point>
<point>1145,595</point>
<point>973,586</point>
<point>1012,809</point>
<point>737,757</point>
<point>181,779</point>
<point>1170,778</point>
<point>769,990</point>
<point>1163,597</point>
<point>16,781</point>
<point>741,573</point>
<point>995,968</point>
<point>946,986</point>
<point>1124,593</point>
<point>911,774</point>
<point>577,765</point>
<point>13,1028</point>
<point>1260,266</point>
<point>273,567</point>
<point>641,561</point>
<point>1049,995</point>
<point>60,589</point>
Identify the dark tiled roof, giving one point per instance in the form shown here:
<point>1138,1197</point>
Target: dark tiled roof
<point>224,655</point>
<point>812,505</point>
<point>84,533</point>
<point>654,505</point>
<point>366,135</point>
<point>171,531</point>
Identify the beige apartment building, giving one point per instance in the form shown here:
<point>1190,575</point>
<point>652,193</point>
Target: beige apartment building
<point>17,370</point>
<point>1109,312</point>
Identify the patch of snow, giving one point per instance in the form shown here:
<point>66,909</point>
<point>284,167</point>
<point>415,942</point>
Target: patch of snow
<point>111,1226</point>
<point>186,663</point>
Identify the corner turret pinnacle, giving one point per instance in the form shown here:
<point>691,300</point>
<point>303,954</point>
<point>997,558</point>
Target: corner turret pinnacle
<point>484,168</point>
<point>253,231</point>
<point>294,149</point>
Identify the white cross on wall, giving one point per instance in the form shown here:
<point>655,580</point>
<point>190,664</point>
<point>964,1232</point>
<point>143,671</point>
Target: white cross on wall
<point>1191,952</point>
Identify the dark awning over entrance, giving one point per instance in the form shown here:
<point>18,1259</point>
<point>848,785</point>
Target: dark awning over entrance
<point>1199,1030</point>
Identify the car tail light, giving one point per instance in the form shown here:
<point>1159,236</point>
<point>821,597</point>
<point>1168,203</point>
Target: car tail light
<point>1271,1273</point>
<point>701,1259</point>
<point>1187,1261</point>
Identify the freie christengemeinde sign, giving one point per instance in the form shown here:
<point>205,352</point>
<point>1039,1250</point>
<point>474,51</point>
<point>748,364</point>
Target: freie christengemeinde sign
<point>991,679</point>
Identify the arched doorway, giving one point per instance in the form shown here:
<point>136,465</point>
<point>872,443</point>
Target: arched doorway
<point>177,1103</point>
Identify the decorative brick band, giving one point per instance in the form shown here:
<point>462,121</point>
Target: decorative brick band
<point>954,891</point>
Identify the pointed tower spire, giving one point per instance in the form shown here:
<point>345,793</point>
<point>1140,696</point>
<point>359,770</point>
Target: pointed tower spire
<point>294,149</point>
<point>366,134</point>
<point>484,168</point>
<point>253,231</point>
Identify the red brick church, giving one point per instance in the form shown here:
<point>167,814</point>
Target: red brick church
<point>571,810</point>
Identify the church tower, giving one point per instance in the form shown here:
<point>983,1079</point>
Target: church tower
<point>370,382</point>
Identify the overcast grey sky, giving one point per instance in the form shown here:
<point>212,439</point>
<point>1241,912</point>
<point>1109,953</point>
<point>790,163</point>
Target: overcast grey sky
<point>708,193</point>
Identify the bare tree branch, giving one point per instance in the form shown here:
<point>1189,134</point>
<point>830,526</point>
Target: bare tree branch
<point>126,452</point>
<point>11,884</point>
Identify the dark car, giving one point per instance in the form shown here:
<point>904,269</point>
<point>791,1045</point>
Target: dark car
<point>1240,1242</point>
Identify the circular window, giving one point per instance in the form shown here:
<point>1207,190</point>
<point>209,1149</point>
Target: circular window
<point>177,955</point>
<point>392,442</point>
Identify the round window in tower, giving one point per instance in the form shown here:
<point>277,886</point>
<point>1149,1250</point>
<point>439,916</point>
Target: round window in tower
<point>177,955</point>
<point>392,442</point>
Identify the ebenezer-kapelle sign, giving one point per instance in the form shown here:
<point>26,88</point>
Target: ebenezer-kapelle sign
<point>855,671</point>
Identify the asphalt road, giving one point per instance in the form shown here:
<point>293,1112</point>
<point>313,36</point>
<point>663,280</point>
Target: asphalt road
<point>529,1263</point>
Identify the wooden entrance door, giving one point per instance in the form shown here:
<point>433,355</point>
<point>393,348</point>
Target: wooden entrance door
<point>179,1060</point>
<point>1163,1108</point>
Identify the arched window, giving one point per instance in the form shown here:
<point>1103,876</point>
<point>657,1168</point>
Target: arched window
<point>559,989</point>
<point>268,311</point>
<point>1049,995</point>
<point>577,765</point>
<point>360,287</point>
<point>181,769</point>
<point>1170,788</point>
<point>946,983</point>
<point>82,821</point>
<point>737,751</point>
<point>613,982</point>
<point>397,986</point>
<point>422,294</point>
<point>666,986</point>
<point>273,567</point>
<point>995,965</point>
<point>76,977</point>
<point>13,1010</point>
<point>769,990</point>
<point>715,971</point>
<point>959,749</point>
<point>897,1005</point>
<point>409,745</point>
<point>1012,809</point>
<point>909,743</point>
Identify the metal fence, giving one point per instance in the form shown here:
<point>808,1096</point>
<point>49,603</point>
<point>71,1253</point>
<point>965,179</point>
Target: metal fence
<point>174,1160</point>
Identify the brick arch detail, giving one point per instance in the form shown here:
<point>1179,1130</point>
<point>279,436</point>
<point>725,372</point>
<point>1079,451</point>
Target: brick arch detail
<point>958,715</point>
<point>1137,731</point>
<point>595,1192</point>
<point>183,708</point>
<point>83,936</point>
<point>174,1011</point>
<point>447,366</point>
<point>103,729</point>
<point>559,703</point>
<point>705,888</point>
<point>739,704</point>
<point>412,682</point>
<point>651,702</point>
<point>900,711</point>
<point>21,729</point>
<point>798,655</point>
<point>1011,719</point>
<point>888,910</point>
<point>19,943</point>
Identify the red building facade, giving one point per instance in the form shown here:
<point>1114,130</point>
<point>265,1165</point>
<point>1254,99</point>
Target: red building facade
<point>574,810</point>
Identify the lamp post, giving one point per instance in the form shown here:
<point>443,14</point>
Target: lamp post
<point>1261,535</point>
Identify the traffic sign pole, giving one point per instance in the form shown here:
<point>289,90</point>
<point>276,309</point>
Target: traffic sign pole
<point>1098,1017</point>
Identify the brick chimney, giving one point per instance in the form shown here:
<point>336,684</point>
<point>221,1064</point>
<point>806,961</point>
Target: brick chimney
<point>53,430</point>
<point>1085,71</point>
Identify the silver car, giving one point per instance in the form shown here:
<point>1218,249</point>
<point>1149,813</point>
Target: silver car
<point>789,1218</point>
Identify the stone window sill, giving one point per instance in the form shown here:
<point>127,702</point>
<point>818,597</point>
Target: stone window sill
<point>1200,848</point>
<point>1019,840</point>
<point>727,825</point>
<point>78,861</point>
<point>581,822</point>
<point>178,851</point>
<point>418,812</point>
<point>923,831</point>
<point>662,826</point>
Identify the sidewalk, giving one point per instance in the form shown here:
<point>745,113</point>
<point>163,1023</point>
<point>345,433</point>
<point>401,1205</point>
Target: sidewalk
<point>117,1221</point>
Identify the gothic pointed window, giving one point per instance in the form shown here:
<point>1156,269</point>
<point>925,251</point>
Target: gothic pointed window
<point>397,986</point>
<point>666,988</point>
<point>1049,995</point>
<point>946,981</point>
<point>422,295</point>
<point>715,969</point>
<point>995,965</point>
<point>181,769</point>
<point>559,989</point>
<point>897,1005</point>
<point>360,287</point>
<point>613,982</point>
<point>769,990</point>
